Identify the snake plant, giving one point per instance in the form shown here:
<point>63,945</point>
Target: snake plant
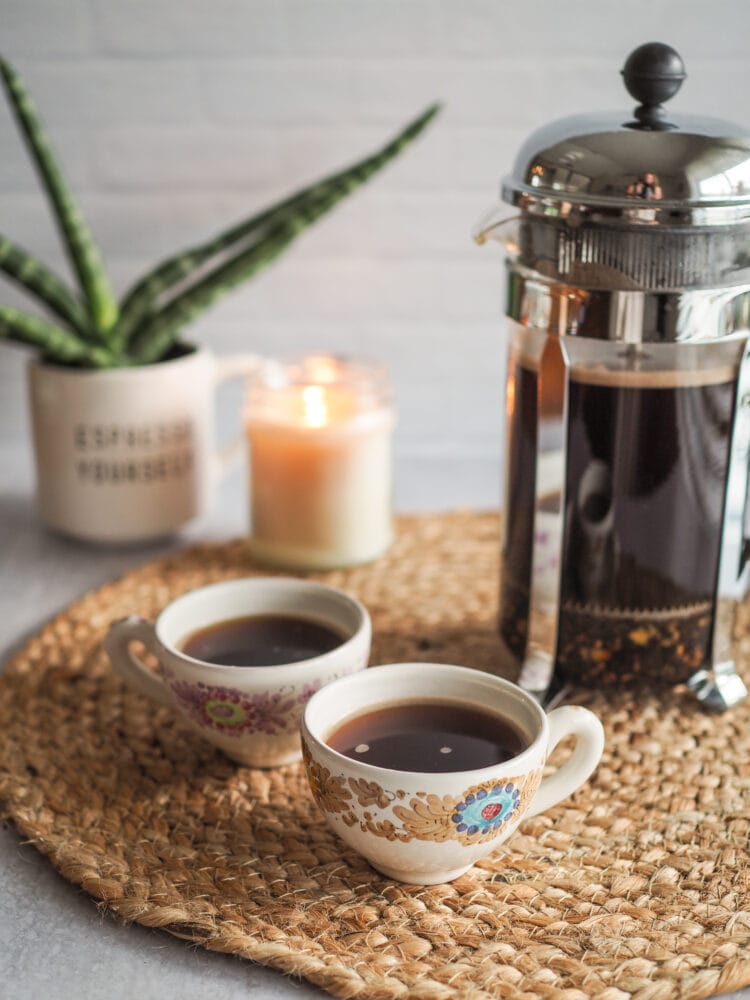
<point>90,328</point>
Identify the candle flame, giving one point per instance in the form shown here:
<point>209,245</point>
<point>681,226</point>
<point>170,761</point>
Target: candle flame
<point>316,410</point>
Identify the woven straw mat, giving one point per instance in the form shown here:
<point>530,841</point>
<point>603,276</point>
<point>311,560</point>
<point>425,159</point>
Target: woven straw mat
<point>638,885</point>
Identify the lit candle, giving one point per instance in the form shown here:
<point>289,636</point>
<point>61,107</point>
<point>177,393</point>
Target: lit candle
<point>319,432</point>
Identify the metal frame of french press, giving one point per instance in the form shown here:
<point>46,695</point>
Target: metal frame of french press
<point>555,309</point>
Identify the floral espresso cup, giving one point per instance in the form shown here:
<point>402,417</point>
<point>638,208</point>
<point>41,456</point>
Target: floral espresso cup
<point>251,713</point>
<point>427,828</point>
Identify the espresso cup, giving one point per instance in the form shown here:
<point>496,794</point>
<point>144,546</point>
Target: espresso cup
<point>426,828</point>
<point>251,713</point>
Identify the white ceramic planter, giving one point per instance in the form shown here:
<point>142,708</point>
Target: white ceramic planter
<point>127,454</point>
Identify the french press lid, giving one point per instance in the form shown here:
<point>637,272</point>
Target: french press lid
<point>650,200</point>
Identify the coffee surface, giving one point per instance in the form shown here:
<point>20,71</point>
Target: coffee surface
<point>429,736</point>
<point>262,641</point>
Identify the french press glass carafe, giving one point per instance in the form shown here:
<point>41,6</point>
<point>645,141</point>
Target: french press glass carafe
<point>626,539</point>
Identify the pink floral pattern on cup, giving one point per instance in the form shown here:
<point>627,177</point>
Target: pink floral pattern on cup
<point>253,714</point>
<point>229,711</point>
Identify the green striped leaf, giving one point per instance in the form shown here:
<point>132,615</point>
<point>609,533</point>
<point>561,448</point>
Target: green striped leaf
<point>296,213</point>
<point>79,243</point>
<point>159,333</point>
<point>55,343</point>
<point>38,280</point>
<point>143,297</point>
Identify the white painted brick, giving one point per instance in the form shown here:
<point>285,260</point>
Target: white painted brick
<point>32,229</point>
<point>167,158</point>
<point>444,159</point>
<point>268,336</point>
<point>341,91</point>
<point>580,85</point>
<point>275,336</point>
<point>418,350</point>
<point>17,173</point>
<point>30,225</point>
<point>144,225</point>
<point>91,92</point>
<point>188,27</point>
<point>475,404</point>
<point>484,156</point>
<point>349,289</point>
<point>137,227</point>
<point>422,414</point>
<point>466,481</point>
<point>377,224</point>
<point>581,27</point>
<point>281,91</point>
<point>695,29</point>
<point>44,27</point>
<point>355,290</point>
<point>457,159</point>
<point>714,87</point>
<point>356,28</point>
<point>717,87</point>
<point>329,290</point>
<point>148,227</point>
<point>473,92</point>
<point>457,351</point>
<point>473,289</point>
<point>309,153</point>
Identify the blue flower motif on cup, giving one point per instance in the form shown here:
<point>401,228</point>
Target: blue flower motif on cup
<point>484,810</point>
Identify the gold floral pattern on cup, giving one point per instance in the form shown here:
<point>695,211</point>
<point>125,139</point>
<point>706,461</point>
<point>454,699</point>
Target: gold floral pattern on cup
<point>474,817</point>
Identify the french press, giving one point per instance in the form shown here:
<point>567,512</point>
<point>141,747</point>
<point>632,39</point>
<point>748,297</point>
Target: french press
<point>626,533</point>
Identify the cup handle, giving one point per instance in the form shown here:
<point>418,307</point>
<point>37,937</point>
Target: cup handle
<point>570,720</point>
<point>117,645</point>
<point>233,366</point>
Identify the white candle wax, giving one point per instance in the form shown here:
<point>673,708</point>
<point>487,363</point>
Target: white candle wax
<point>320,465</point>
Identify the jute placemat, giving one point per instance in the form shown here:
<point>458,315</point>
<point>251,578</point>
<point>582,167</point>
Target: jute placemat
<point>639,885</point>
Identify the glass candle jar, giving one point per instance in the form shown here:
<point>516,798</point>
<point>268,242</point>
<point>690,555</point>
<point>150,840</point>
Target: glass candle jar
<point>319,433</point>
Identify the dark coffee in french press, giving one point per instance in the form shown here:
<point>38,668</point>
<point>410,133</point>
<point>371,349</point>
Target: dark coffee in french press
<point>624,549</point>
<point>641,524</point>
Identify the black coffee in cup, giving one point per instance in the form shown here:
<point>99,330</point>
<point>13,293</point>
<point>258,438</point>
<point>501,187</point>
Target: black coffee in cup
<point>429,736</point>
<point>262,640</point>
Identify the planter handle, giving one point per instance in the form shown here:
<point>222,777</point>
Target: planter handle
<point>233,366</point>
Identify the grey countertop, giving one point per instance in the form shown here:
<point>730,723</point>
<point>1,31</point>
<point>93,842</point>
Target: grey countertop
<point>54,942</point>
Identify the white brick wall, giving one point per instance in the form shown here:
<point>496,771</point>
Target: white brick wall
<point>176,117</point>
